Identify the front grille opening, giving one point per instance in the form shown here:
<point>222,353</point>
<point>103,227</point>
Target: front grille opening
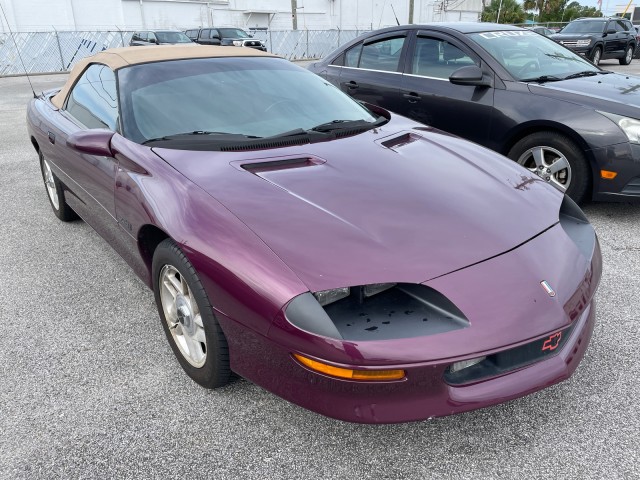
<point>509,360</point>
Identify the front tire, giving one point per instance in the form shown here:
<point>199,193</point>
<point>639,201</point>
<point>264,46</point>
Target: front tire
<point>628,55</point>
<point>596,55</point>
<point>556,159</point>
<point>187,317</point>
<point>55,192</point>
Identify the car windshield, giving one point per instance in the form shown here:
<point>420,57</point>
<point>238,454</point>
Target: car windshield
<point>172,37</point>
<point>585,26</point>
<point>527,55</point>
<point>250,96</point>
<point>233,33</point>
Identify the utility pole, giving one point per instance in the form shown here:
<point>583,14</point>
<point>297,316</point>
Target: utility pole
<point>294,13</point>
<point>411,11</point>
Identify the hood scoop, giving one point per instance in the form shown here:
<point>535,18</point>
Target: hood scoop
<point>400,141</point>
<point>270,165</point>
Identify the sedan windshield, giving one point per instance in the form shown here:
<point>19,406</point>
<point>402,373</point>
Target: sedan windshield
<point>528,56</point>
<point>172,37</point>
<point>585,26</point>
<point>247,98</point>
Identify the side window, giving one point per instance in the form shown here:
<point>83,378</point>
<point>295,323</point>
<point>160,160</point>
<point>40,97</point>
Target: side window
<point>382,55</point>
<point>144,36</point>
<point>619,26</point>
<point>438,58</point>
<point>152,36</point>
<point>136,36</point>
<point>352,56</point>
<point>93,99</point>
<point>214,33</point>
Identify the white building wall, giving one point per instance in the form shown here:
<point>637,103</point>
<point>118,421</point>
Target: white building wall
<point>38,15</point>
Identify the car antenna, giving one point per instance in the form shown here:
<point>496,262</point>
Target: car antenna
<point>394,14</point>
<point>18,50</point>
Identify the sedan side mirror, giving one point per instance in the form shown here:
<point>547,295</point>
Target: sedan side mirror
<point>94,142</point>
<point>470,75</point>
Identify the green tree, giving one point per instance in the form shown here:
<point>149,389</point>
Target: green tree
<point>558,10</point>
<point>510,12</point>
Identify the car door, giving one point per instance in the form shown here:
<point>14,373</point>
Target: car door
<point>372,69</point>
<point>612,39</point>
<point>90,179</point>
<point>429,97</point>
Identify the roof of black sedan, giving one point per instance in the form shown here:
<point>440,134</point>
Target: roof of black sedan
<point>462,27</point>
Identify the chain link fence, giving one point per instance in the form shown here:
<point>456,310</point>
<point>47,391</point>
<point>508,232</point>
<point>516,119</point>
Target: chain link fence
<point>46,52</point>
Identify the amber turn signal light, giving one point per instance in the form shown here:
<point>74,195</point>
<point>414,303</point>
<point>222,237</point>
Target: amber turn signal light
<point>608,174</point>
<point>347,373</point>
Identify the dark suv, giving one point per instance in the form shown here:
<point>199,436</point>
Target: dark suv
<point>162,37</point>
<point>600,38</point>
<point>235,37</point>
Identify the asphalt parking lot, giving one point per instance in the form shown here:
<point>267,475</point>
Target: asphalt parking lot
<point>90,388</point>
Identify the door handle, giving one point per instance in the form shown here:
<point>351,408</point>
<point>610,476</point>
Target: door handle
<point>52,138</point>
<point>413,97</point>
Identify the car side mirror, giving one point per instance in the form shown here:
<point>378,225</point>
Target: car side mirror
<point>470,75</point>
<point>611,30</point>
<point>94,142</point>
<point>215,37</point>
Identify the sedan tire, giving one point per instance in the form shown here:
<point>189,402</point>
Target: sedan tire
<point>187,317</point>
<point>55,192</point>
<point>556,159</point>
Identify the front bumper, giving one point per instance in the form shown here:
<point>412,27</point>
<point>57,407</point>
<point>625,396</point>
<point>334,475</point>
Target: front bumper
<point>423,394</point>
<point>624,159</point>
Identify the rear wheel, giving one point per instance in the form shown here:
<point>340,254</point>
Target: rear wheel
<point>556,159</point>
<point>187,317</point>
<point>628,55</point>
<point>596,55</point>
<point>55,192</point>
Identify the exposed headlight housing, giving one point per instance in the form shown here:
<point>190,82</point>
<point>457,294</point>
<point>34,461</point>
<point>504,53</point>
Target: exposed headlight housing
<point>630,126</point>
<point>237,43</point>
<point>583,43</point>
<point>325,297</point>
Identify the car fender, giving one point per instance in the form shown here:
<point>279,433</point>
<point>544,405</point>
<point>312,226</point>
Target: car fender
<point>244,279</point>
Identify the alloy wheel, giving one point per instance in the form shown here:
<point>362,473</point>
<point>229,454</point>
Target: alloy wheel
<point>183,317</point>
<point>549,164</point>
<point>50,184</point>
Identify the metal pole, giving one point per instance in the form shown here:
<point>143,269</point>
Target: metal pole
<point>499,8</point>
<point>306,54</point>
<point>411,11</point>
<point>59,50</point>
<point>294,14</point>
<point>121,35</point>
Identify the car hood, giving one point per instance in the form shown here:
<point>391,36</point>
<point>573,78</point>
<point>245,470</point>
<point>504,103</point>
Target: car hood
<point>613,93</point>
<point>394,204</point>
<point>571,36</point>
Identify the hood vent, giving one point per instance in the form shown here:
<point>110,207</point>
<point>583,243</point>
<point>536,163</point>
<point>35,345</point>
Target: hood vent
<point>400,141</point>
<point>282,164</point>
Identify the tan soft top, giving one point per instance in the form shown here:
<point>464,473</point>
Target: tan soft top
<point>116,58</point>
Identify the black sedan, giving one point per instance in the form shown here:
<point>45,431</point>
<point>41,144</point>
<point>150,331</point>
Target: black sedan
<point>509,89</point>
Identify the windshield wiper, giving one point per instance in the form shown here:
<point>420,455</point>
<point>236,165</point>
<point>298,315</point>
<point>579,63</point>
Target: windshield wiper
<point>347,124</point>
<point>542,79</point>
<point>586,73</point>
<point>196,133</point>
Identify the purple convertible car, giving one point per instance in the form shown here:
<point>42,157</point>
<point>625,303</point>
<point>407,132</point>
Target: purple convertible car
<point>351,261</point>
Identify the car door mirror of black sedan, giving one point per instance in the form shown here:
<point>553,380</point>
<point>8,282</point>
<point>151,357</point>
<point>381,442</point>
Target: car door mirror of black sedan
<point>470,75</point>
<point>93,142</point>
